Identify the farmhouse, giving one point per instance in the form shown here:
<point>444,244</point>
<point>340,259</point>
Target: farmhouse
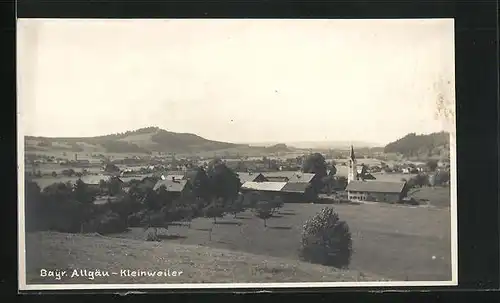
<point>296,192</point>
<point>289,176</point>
<point>176,187</point>
<point>375,191</point>
<point>361,189</point>
<point>269,187</point>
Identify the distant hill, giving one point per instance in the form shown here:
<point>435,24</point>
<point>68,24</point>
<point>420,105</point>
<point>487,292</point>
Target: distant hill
<point>435,145</point>
<point>144,140</point>
<point>278,148</point>
<point>323,145</point>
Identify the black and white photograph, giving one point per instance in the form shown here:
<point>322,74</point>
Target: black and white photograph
<point>236,153</point>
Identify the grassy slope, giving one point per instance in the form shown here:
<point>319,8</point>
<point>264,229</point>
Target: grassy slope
<point>199,264</point>
<point>397,242</point>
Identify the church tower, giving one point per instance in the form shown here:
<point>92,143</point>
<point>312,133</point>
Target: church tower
<point>353,172</point>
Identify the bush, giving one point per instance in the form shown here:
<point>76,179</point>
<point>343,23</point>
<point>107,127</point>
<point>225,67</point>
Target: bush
<point>326,240</point>
<point>110,223</point>
<point>134,220</point>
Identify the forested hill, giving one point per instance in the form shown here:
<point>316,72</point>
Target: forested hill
<point>144,140</point>
<point>435,145</point>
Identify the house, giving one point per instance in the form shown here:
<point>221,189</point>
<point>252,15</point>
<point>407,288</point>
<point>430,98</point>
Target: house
<point>298,192</point>
<point>94,181</point>
<point>289,176</point>
<point>251,177</point>
<point>375,191</point>
<point>359,188</point>
<point>177,188</point>
<point>265,186</point>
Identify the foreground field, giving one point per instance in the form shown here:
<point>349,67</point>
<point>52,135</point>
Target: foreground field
<point>179,263</point>
<point>396,242</point>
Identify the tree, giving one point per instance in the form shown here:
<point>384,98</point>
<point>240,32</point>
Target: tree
<point>215,210</point>
<point>263,210</point>
<point>114,186</point>
<point>326,240</point>
<point>224,183</point>
<point>237,206</point>
<point>316,164</point>
<point>82,193</point>
<point>432,165</point>
<point>32,206</point>
<point>201,183</point>
<point>276,203</point>
<point>333,170</point>
<point>54,174</point>
<point>68,172</point>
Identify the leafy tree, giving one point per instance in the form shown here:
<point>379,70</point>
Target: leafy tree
<point>54,174</point>
<point>326,240</point>
<point>224,183</point>
<point>82,193</point>
<point>201,183</point>
<point>316,163</point>
<point>333,170</point>
<point>215,210</point>
<point>263,210</point>
<point>32,206</point>
<point>237,206</point>
<point>68,172</point>
<point>114,186</point>
<point>432,165</point>
<point>276,203</point>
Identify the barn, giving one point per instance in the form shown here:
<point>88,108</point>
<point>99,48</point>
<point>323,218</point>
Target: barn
<point>375,191</point>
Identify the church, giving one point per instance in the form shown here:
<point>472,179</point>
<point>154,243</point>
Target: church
<point>360,189</point>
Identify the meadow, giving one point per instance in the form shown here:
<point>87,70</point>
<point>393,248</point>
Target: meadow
<point>390,241</point>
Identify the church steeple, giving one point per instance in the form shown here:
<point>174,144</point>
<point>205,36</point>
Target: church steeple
<point>352,156</point>
<point>353,172</point>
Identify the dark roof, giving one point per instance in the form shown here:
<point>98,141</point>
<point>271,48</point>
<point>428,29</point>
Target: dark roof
<point>295,187</point>
<point>375,186</point>
<point>291,176</point>
<point>172,186</point>
<point>246,177</point>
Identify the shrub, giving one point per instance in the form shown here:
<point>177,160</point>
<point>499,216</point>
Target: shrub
<point>110,223</point>
<point>135,219</point>
<point>326,240</point>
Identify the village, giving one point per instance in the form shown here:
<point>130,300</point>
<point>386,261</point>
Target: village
<point>283,176</point>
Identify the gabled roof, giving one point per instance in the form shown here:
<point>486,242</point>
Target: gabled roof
<point>291,176</point>
<point>295,187</point>
<point>248,177</point>
<point>95,179</point>
<point>263,186</point>
<point>175,177</point>
<point>172,186</point>
<point>376,186</point>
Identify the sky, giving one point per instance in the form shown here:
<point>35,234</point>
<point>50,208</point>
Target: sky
<point>237,80</point>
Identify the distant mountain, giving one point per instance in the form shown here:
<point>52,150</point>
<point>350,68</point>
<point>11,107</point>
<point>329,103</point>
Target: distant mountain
<point>144,140</point>
<point>435,145</point>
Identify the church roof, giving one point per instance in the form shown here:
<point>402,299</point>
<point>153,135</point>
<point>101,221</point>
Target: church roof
<point>376,186</point>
